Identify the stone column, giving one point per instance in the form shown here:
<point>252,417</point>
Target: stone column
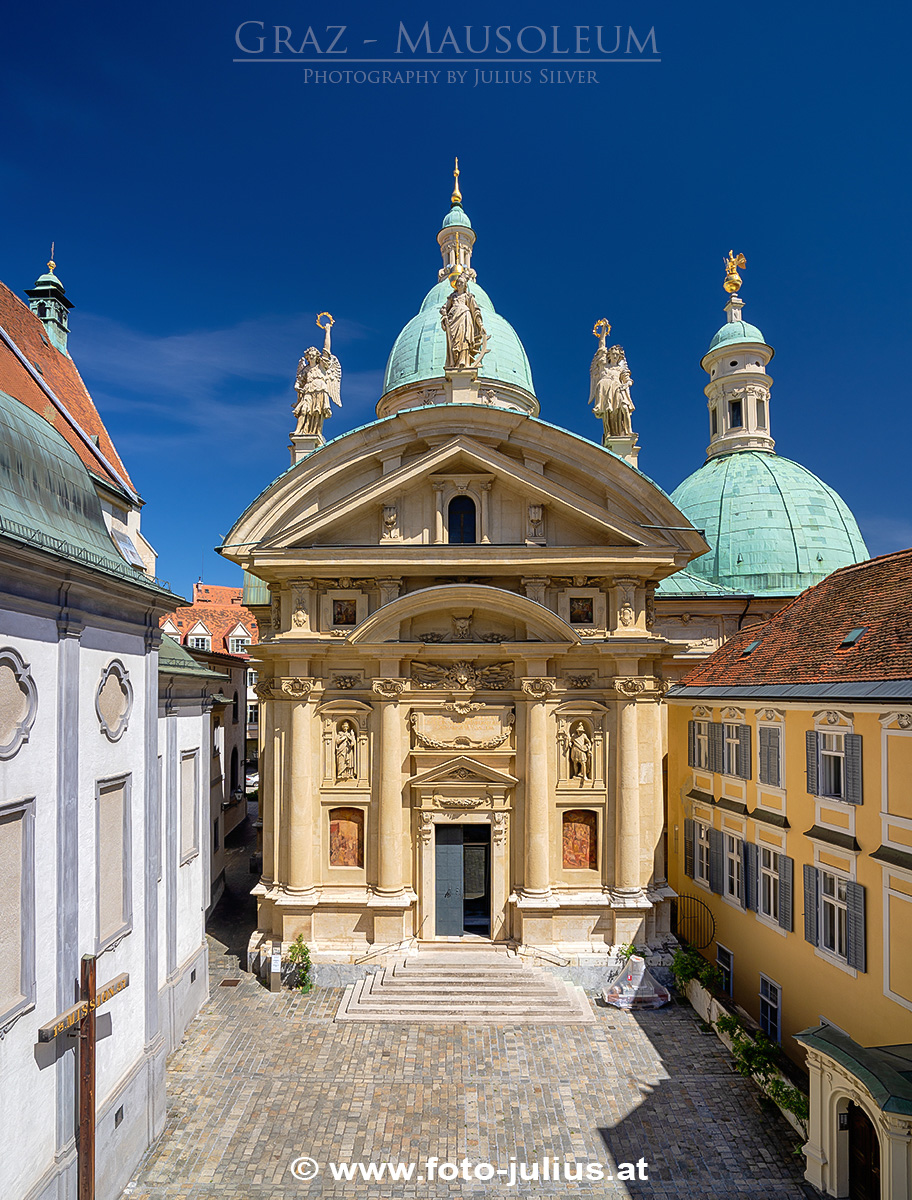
<point>537,867</point>
<point>438,511</point>
<point>299,800</point>
<point>484,533</point>
<point>389,840</point>
<point>627,863</point>
<point>268,799</point>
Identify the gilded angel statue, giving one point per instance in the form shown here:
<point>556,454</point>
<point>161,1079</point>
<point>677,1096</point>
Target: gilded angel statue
<point>318,382</point>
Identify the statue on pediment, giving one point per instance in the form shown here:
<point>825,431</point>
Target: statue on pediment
<point>609,391</point>
<point>318,384</point>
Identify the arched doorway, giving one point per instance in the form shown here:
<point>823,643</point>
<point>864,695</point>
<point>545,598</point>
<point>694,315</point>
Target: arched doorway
<point>864,1156</point>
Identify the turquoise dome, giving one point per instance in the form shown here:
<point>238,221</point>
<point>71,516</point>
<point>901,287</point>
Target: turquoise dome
<point>456,217</point>
<point>419,352</point>
<point>736,331</point>
<point>774,528</point>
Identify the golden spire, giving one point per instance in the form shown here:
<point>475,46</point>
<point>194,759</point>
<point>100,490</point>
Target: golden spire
<point>732,278</point>
<point>51,263</point>
<point>456,197</point>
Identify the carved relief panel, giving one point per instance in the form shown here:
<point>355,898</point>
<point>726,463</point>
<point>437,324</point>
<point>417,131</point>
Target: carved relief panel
<point>462,726</point>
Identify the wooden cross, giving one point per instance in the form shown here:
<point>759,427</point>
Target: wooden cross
<point>83,1016</point>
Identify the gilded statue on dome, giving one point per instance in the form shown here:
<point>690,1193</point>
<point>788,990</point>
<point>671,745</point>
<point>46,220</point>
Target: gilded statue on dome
<point>610,382</point>
<point>318,382</point>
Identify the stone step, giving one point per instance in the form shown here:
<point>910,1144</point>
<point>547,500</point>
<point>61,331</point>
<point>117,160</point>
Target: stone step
<point>417,996</point>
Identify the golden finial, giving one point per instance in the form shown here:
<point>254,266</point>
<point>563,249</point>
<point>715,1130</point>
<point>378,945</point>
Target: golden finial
<point>732,278</point>
<point>601,328</point>
<point>456,197</point>
<point>51,264</point>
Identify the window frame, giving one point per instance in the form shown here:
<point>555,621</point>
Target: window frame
<point>24,810</point>
<point>192,640</point>
<point>237,645</point>
<point>126,926</point>
<point>834,907</point>
<point>187,854</point>
<point>731,749</point>
<point>832,756</point>
<point>701,744</point>
<point>702,852</point>
<point>770,1004</point>
<point>734,867</point>
<point>726,969</point>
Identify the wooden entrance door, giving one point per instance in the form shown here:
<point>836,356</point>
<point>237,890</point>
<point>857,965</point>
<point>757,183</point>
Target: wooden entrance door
<point>864,1156</point>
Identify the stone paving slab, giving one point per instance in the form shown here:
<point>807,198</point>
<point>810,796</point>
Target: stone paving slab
<point>262,1079</point>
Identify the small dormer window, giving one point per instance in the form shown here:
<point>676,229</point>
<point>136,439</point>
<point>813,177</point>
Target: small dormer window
<point>749,648</point>
<point>735,419</point>
<point>852,637</point>
<point>197,642</point>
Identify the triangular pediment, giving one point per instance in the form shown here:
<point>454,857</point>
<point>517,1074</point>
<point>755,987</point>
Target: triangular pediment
<point>461,456</point>
<point>463,769</point>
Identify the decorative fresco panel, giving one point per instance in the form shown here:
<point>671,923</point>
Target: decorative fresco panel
<point>346,837</point>
<point>580,840</point>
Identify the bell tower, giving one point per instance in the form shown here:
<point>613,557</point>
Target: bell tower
<point>739,385</point>
<point>47,300</point>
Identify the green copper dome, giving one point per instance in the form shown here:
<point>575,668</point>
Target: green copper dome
<point>419,351</point>
<point>774,528</point>
<point>456,217</point>
<point>737,331</point>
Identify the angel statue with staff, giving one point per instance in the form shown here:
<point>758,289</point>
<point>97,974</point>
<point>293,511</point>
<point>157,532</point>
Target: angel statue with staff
<point>318,382</point>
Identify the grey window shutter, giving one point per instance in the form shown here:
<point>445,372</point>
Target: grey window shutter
<point>764,739</point>
<point>716,860</point>
<point>810,905</point>
<point>691,743</point>
<point>716,753</point>
<point>853,771</point>
<point>855,925</point>
<point>744,751</point>
<point>811,744</point>
<point>750,858</point>
<point>786,889</point>
<point>689,848</point>
<point>774,779</point>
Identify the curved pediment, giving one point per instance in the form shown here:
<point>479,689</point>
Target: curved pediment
<point>521,619</point>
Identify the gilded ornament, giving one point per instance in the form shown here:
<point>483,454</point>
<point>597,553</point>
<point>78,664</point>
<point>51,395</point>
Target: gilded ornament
<point>732,278</point>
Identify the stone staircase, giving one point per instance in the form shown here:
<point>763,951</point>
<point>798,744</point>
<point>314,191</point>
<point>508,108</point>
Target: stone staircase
<point>465,988</point>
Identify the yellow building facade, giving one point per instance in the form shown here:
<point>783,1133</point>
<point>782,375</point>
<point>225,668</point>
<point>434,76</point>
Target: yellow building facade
<point>790,818</point>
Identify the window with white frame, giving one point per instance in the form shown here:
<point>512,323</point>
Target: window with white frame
<point>17,910</point>
<point>197,642</point>
<point>832,764</point>
<point>251,677</point>
<point>189,787</point>
<point>731,760</point>
<point>701,745</point>
<point>770,1008</point>
<point>701,852</point>
<point>769,883</point>
<point>734,883</point>
<point>725,961</point>
<point>112,830</point>
<point>833,914</point>
<point>238,645</point>
<point>253,714</point>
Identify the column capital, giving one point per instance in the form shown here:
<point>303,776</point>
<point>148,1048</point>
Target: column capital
<point>539,688</point>
<point>388,689</point>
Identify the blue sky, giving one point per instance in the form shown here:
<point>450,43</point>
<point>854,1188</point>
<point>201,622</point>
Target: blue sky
<point>205,210</point>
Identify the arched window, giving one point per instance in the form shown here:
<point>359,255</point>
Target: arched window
<point>580,847</point>
<point>235,708</point>
<point>461,521</point>
<point>235,780</point>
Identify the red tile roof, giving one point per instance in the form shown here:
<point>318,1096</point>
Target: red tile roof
<point>59,373</point>
<point>220,610</point>
<point>802,643</point>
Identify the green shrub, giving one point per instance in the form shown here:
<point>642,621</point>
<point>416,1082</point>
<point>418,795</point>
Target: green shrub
<point>688,964</point>
<point>299,956</point>
<point>758,1058</point>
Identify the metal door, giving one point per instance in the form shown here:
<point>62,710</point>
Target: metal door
<point>449,881</point>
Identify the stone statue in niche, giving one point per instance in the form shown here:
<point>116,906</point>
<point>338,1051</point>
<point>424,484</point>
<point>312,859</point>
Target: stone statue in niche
<point>460,317</point>
<point>318,382</point>
<point>346,749</point>
<point>580,753</point>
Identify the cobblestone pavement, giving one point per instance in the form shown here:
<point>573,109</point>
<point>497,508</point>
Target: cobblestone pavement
<point>262,1079</point>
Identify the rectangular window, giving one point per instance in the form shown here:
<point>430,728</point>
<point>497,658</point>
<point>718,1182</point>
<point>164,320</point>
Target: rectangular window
<point>189,787</point>
<point>113,860</point>
<point>832,764</point>
<point>725,961</point>
<point>732,749</point>
<point>251,677</point>
<point>200,643</point>
<point>253,714</point>
<point>770,755</point>
<point>701,745</point>
<point>770,1008</point>
<point>239,645</point>
<point>734,880</point>
<point>17,910</point>
<point>761,413</point>
<point>833,914</point>
<point>701,841</point>
<point>769,883</point>
<point>734,414</point>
